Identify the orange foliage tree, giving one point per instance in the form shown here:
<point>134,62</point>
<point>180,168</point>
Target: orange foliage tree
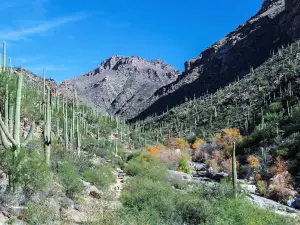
<point>197,143</point>
<point>155,150</point>
<point>229,136</point>
<point>254,161</point>
<point>280,166</point>
<point>181,143</point>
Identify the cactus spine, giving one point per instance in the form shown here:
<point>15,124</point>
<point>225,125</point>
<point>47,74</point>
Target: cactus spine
<point>47,129</point>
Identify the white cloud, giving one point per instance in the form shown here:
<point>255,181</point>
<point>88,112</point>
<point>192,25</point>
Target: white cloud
<point>19,34</point>
<point>48,68</point>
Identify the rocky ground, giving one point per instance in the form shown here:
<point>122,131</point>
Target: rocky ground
<point>91,205</point>
<point>200,174</point>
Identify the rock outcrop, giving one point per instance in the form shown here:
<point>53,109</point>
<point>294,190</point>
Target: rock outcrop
<point>121,85</point>
<point>276,24</point>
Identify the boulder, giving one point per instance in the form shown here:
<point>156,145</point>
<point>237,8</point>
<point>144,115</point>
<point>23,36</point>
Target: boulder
<point>3,181</point>
<point>249,187</point>
<point>75,216</point>
<point>178,151</point>
<point>3,219</point>
<point>297,203</point>
<point>182,175</point>
<point>93,191</point>
<point>197,166</point>
<point>220,176</point>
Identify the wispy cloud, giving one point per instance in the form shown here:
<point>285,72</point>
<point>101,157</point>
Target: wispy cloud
<point>48,68</point>
<point>24,60</point>
<point>19,34</point>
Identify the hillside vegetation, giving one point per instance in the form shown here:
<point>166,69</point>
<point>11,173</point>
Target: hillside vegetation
<point>60,161</point>
<point>264,106</point>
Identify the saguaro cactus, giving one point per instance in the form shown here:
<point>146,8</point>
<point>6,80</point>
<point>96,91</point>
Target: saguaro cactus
<point>78,137</point>
<point>10,130</point>
<point>4,56</point>
<point>66,128</point>
<point>9,140</point>
<point>57,117</point>
<point>234,172</point>
<point>47,129</point>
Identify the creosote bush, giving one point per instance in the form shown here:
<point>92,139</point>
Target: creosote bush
<point>101,177</point>
<point>69,177</point>
<point>146,165</point>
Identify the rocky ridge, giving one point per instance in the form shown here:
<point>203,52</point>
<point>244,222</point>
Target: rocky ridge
<point>121,85</point>
<point>252,43</point>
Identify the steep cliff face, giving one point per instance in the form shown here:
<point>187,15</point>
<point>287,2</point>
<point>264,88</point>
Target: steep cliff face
<point>121,85</point>
<point>275,25</point>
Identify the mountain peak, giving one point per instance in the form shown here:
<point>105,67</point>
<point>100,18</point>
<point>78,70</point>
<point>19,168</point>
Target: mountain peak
<point>114,62</point>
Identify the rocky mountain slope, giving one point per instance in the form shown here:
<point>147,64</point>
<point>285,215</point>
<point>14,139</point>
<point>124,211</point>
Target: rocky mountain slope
<point>251,44</point>
<point>35,79</point>
<point>121,85</point>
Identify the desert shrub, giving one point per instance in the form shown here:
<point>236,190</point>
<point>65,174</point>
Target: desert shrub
<point>146,165</point>
<point>236,211</point>
<point>30,171</point>
<point>33,174</point>
<point>181,143</point>
<point>262,187</point>
<point>101,177</point>
<point>43,213</point>
<point>171,158</point>
<point>70,179</point>
<point>145,194</point>
<point>197,143</point>
<point>227,165</point>
<point>194,210</point>
<point>281,187</point>
<point>153,150</point>
<point>184,166</point>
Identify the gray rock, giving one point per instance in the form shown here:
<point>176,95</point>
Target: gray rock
<point>183,176</point>
<point>121,85</point>
<point>3,218</point>
<point>297,203</point>
<point>249,187</point>
<point>220,176</point>
<point>3,182</point>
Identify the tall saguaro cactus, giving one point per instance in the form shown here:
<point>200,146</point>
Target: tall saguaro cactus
<point>78,137</point>
<point>9,140</point>
<point>10,130</point>
<point>66,128</point>
<point>47,129</point>
<point>234,172</point>
<point>4,55</point>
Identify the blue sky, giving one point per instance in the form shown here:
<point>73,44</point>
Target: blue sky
<point>71,37</point>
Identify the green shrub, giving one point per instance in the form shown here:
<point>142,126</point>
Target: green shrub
<point>184,166</point>
<point>43,213</point>
<point>236,211</point>
<point>31,173</point>
<point>143,194</point>
<point>262,187</point>
<point>69,178</point>
<point>147,165</point>
<point>101,177</point>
